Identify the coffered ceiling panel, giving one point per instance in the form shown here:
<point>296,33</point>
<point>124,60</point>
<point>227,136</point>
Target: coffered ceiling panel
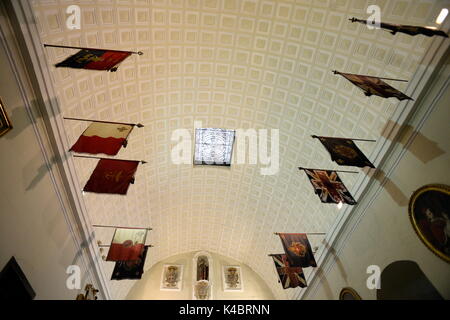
<point>232,64</point>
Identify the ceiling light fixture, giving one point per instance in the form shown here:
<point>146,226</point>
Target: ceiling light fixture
<point>339,205</point>
<point>441,17</point>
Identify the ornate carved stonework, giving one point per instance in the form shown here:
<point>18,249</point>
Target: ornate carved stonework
<point>232,278</point>
<point>172,277</point>
<point>202,290</point>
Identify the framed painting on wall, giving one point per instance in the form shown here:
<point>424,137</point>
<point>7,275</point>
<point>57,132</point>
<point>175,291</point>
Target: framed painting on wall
<point>429,212</point>
<point>232,278</point>
<point>5,123</point>
<point>14,285</point>
<point>349,294</point>
<point>172,277</point>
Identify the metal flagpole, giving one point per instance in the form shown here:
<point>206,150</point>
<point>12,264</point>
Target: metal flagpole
<point>387,26</point>
<point>300,168</point>
<point>139,125</point>
<point>369,140</point>
<point>77,156</point>
<point>108,245</point>
<point>309,233</point>
<point>357,20</point>
<point>394,28</point>
<point>354,74</point>
<point>81,48</point>
<point>125,142</point>
<point>118,227</point>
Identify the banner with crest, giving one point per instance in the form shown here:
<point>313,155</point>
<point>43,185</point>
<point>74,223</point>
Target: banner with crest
<point>112,176</point>
<point>345,152</point>
<point>298,250</point>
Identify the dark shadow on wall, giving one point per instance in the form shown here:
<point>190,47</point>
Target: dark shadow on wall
<point>328,291</point>
<point>337,260</point>
<point>325,284</point>
<point>34,177</point>
<point>389,186</point>
<point>404,280</point>
<point>76,259</point>
<point>421,147</point>
<point>21,119</point>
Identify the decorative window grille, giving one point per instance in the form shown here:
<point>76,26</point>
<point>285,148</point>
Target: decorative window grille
<point>213,146</point>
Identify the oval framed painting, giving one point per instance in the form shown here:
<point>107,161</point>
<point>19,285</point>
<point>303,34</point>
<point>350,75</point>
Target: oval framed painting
<point>349,294</point>
<point>429,212</point>
<point>5,123</point>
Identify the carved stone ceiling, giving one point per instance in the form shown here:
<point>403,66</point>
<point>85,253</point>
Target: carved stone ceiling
<point>233,64</point>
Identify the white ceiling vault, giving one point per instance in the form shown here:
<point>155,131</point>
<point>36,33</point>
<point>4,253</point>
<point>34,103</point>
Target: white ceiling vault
<point>233,64</point>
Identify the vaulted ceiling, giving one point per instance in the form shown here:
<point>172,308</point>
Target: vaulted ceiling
<point>233,64</point>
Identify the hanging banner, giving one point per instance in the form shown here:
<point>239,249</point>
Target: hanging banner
<point>127,244</point>
<point>112,176</point>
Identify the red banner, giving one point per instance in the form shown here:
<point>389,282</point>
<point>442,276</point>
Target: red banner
<point>105,138</point>
<point>112,176</point>
<point>127,244</point>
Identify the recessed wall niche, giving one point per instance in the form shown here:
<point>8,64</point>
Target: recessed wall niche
<point>202,276</point>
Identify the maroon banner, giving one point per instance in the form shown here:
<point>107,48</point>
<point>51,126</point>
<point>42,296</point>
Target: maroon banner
<point>96,144</point>
<point>112,176</point>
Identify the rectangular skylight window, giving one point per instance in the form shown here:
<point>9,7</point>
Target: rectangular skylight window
<point>213,146</point>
